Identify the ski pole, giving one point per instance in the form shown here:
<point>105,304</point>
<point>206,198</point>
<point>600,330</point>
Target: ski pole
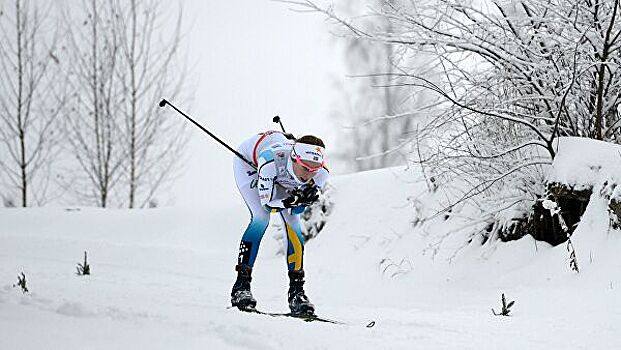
<point>277,120</point>
<point>289,136</point>
<point>164,102</point>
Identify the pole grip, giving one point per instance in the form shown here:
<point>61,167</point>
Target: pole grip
<point>276,119</point>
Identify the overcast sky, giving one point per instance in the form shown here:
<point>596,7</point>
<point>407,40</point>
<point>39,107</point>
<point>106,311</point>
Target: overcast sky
<point>252,59</point>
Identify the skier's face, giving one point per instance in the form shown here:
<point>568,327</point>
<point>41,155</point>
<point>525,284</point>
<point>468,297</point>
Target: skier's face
<point>305,170</point>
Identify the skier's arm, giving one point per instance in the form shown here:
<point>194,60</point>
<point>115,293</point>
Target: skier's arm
<point>267,174</point>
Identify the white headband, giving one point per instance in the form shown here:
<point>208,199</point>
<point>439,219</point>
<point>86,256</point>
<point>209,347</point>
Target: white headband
<point>308,152</point>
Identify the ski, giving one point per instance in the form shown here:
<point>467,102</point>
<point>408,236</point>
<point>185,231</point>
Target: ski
<point>303,317</point>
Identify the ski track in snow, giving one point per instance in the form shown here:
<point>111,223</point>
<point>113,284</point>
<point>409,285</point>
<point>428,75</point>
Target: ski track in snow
<point>161,280</point>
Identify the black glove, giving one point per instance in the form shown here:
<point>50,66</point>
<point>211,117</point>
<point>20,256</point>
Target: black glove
<point>310,194</point>
<point>294,199</point>
<point>303,198</point>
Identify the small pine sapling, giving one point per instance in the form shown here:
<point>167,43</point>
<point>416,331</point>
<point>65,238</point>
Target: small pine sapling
<point>84,269</point>
<point>506,308</point>
<point>21,282</point>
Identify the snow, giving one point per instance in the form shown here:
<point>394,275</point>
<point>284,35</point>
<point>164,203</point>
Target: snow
<point>161,278</point>
<point>585,162</point>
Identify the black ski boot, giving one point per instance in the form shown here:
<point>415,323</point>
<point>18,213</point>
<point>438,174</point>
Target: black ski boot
<point>241,297</point>
<point>298,301</point>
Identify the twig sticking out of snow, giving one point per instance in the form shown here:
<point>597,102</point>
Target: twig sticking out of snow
<point>84,269</point>
<point>21,282</point>
<point>506,308</point>
<point>554,209</point>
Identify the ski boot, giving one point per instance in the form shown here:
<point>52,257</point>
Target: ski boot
<point>241,297</point>
<point>298,301</point>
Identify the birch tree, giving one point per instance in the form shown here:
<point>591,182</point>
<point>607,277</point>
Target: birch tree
<point>30,102</point>
<point>93,121</point>
<point>125,148</point>
<point>150,67</point>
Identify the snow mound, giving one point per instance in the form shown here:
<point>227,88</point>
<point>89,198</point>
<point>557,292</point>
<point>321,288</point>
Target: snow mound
<point>582,162</point>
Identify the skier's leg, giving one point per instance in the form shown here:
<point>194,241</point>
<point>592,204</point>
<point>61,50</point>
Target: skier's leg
<point>293,239</point>
<point>246,179</point>
<point>298,301</point>
<point>249,245</point>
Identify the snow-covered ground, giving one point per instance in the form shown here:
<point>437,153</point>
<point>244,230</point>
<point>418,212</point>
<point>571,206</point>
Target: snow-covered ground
<point>161,279</point>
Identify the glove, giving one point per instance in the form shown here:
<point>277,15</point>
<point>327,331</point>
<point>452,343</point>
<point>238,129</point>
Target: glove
<point>310,195</point>
<point>294,200</point>
<point>301,198</point>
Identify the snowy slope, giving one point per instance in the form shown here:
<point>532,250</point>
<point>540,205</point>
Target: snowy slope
<point>161,280</point>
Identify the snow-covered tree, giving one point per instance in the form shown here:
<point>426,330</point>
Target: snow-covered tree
<point>515,76</point>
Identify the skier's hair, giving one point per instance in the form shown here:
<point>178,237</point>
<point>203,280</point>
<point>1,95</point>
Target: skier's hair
<point>311,140</point>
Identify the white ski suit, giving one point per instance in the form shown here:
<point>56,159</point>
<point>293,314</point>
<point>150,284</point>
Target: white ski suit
<point>264,188</point>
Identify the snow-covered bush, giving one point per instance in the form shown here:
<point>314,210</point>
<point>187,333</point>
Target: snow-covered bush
<point>615,208</point>
<point>511,76</point>
<point>582,170</point>
<point>315,217</point>
<point>590,166</point>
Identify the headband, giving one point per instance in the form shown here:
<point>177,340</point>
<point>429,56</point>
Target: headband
<point>312,153</point>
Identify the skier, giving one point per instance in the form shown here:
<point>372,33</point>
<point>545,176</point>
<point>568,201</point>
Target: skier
<point>289,173</point>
